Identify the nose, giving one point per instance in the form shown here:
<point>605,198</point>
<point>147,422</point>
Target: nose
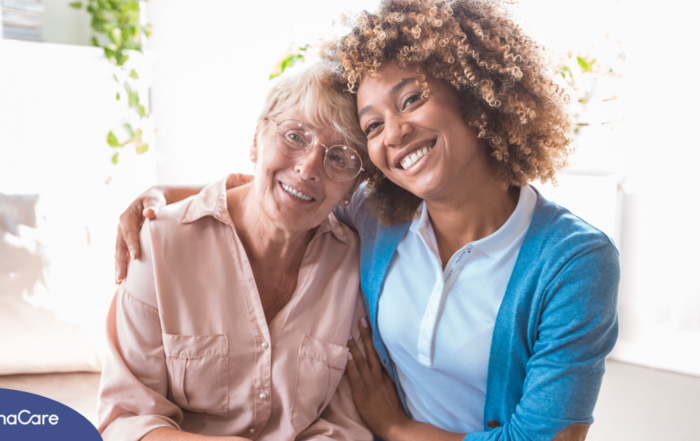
<point>310,165</point>
<point>395,130</point>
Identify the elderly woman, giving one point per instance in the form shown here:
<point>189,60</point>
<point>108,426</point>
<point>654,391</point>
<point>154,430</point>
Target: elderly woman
<point>491,309</point>
<point>235,318</point>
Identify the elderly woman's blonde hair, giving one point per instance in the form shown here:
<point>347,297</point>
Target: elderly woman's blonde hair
<point>316,90</point>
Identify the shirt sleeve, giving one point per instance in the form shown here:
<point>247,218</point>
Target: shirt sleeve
<point>133,389</point>
<point>340,420</point>
<point>577,329</point>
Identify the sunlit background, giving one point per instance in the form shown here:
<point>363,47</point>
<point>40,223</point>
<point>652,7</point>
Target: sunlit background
<point>630,65</point>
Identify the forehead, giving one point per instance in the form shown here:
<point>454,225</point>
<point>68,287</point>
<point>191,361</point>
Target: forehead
<point>391,80</point>
<point>388,75</point>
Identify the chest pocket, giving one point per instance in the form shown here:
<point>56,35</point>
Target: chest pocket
<point>320,367</point>
<point>198,372</point>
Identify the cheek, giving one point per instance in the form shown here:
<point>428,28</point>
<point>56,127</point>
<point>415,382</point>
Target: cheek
<point>377,154</point>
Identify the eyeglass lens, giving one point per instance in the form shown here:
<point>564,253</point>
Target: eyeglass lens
<point>294,138</point>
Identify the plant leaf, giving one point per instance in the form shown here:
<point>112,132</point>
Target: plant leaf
<point>118,96</point>
<point>130,130</point>
<point>115,158</point>
<point>112,140</point>
<point>134,75</point>
<point>133,98</point>
<point>76,5</point>
<point>143,148</point>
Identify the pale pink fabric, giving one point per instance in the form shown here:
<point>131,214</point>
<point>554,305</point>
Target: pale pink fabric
<point>189,346</point>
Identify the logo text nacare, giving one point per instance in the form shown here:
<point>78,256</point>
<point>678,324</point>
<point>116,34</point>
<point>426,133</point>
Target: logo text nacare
<point>25,417</point>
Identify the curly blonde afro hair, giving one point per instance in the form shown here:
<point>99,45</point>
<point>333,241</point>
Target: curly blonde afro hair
<point>503,79</point>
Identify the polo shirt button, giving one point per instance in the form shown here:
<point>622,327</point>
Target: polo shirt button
<point>384,361</point>
<point>251,430</point>
<point>263,396</point>
<point>493,424</point>
<point>264,345</point>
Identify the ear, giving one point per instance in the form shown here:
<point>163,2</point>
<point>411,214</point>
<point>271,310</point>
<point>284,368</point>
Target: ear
<point>254,146</point>
<point>347,198</point>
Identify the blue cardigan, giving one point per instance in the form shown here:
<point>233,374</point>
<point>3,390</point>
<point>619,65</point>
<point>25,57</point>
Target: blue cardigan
<point>555,326</point>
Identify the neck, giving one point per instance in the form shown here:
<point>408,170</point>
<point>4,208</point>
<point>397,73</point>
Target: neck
<point>266,242</point>
<point>476,208</point>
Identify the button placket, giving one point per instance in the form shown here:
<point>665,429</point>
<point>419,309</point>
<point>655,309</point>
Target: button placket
<point>427,329</point>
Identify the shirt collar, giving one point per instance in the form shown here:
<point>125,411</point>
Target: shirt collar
<point>211,201</point>
<point>497,243</point>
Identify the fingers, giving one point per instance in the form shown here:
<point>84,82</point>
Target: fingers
<point>130,225</point>
<point>360,363</point>
<point>150,213</point>
<point>356,383</point>
<point>371,353</point>
<point>121,258</point>
<point>152,204</point>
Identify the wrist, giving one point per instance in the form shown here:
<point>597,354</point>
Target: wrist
<point>395,430</point>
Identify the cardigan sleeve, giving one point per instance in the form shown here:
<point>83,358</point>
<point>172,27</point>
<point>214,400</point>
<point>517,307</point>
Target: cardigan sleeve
<point>577,329</point>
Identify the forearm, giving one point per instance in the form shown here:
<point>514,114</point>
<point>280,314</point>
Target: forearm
<point>170,434</point>
<point>412,430</point>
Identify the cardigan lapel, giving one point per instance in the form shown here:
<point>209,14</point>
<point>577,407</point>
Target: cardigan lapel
<point>511,321</point>
<point>374,263</point>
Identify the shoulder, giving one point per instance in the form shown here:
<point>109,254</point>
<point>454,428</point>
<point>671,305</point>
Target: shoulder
<point>342,232</point>
<point>564,257</point>
<point>554,230</point>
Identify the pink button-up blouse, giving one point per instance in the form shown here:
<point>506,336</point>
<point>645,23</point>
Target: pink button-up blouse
<point>189,346</point>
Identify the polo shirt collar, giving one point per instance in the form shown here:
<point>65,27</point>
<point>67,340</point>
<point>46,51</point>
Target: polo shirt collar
<point>497,243</point>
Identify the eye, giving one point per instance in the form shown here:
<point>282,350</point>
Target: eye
<point>371,127</point>
<point>296,138</point>
<point>337,160</point>
<point>412,99</point>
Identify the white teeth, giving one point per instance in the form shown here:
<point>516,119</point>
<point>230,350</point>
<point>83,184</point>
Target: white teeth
<point>297,194</point>
<point>411,160</point>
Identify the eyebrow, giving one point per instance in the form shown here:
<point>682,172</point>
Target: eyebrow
<point>398,86</point>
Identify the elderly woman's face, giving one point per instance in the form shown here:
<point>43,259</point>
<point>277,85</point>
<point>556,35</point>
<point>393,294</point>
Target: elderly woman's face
<point>423,145</point>
<point>295,191</point>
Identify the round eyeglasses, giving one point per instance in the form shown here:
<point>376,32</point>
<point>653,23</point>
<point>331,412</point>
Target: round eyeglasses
<point>294,138</point>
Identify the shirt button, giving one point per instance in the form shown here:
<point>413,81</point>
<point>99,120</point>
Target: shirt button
<point>431,311</point>
<point>263,396</point>
<point>264,345</point>
<point>384,361</point>
<point>424,337</point>
<point>251,430</point>
<point>493,424</point>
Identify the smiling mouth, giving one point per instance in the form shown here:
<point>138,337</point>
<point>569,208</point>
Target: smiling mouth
<point>414,158</point>
<point>297,194</point>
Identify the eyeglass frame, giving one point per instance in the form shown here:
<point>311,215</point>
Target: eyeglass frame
<point>311,146</point>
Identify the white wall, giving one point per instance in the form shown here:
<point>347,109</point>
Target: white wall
<point>657,154</point>
<point>212,63</point>
<point>56,106</point>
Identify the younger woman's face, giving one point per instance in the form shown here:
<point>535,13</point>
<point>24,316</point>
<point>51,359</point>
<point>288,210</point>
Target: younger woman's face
<point>422,145</point>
